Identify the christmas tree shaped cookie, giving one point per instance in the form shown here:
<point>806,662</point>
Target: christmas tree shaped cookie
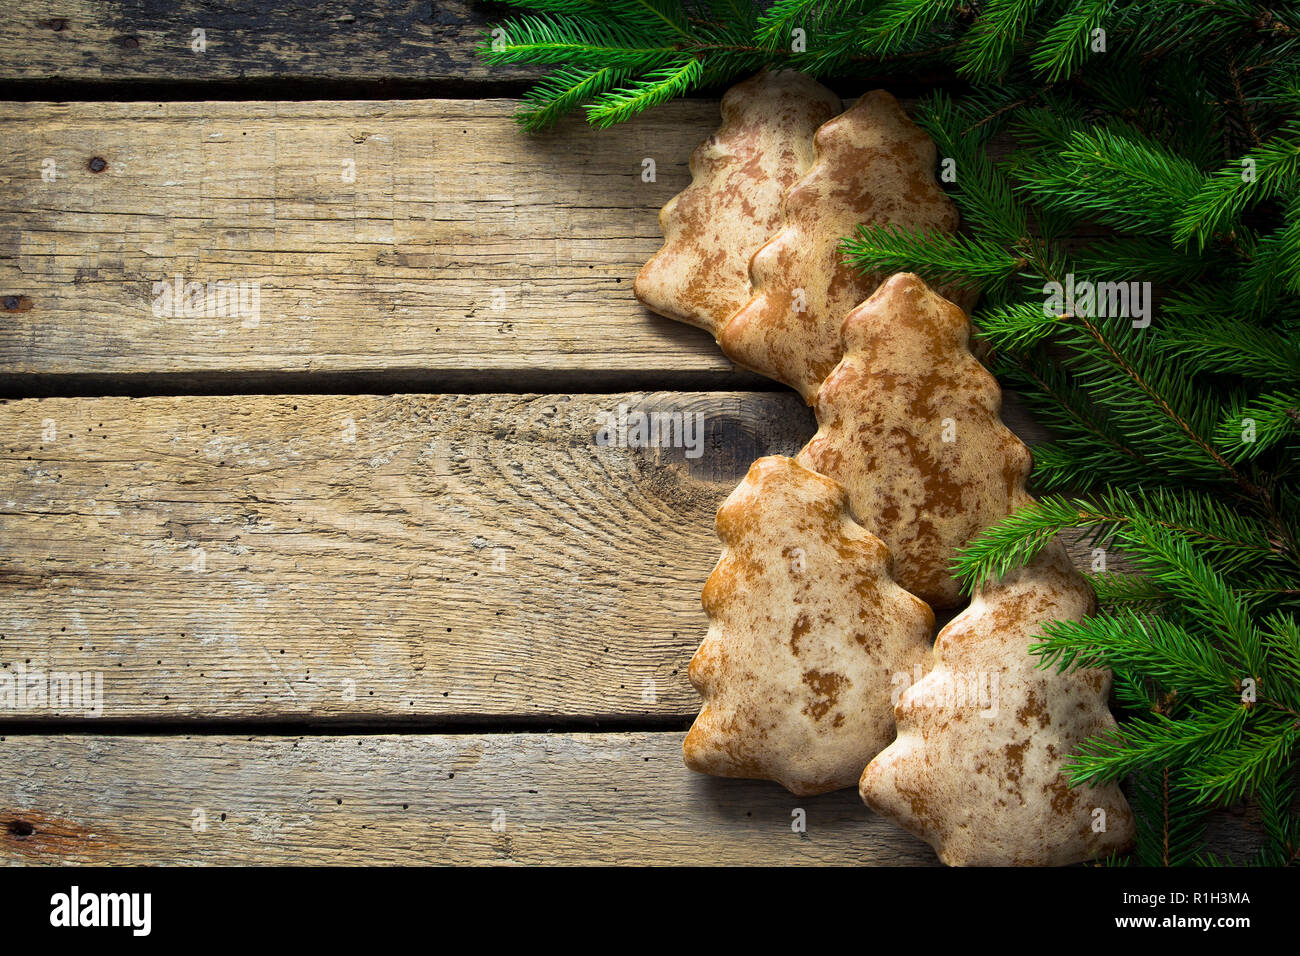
<point>909,423</point>
<point>808,636</point>
<point>976,770</point>
<point>733,205</point>
<point>873,166</point>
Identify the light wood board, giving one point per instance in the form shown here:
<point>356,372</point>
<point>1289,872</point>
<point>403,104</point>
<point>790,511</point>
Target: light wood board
<point>429,239</point>
<point>368,557</point>
<point>610,798</point>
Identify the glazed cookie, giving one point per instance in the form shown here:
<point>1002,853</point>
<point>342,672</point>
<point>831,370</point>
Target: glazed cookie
<point>807,635</point>
<point>909,423</point>
<point>976,770</point>
<point>873,166</point>
<point>733,205</point>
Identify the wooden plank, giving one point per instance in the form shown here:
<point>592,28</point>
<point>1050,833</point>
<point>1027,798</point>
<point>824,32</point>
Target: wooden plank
<point>362,558</point>
<point>248,41</point>
<point>464,252</point>
<point>424,245</point>
<point>613,798</point>
<point>366,557</point>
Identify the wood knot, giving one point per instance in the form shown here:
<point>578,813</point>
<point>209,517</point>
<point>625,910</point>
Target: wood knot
<point>37,836</point>
<point>97,164</point>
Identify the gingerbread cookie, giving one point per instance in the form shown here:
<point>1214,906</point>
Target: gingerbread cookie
<point>976,770</point>
<point>733,205</point>
<point>908,423</point>
<point>873,166</point>
<point>808,633</point>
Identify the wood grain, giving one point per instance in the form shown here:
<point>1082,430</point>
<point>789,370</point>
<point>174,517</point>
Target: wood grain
<point>365,557</point>
<point>415,245</point>
<point>458,558</point>
<point>610,798</point>
<point>464,254</point>
<point>248,41</point>
<point>368,560</point>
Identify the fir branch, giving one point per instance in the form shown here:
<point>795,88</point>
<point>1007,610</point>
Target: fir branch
<point>786,15</point>
<point>665,13</point>
<point>1282,642</point>
<point>1158,649</point>
<point>1015,326</point>
<point>1132,591</point>
<point>1158,526</point>
<point>1018,538</point>
<point>1074,462</point>
<point>938,257</point>
<point>560,92</point>
<point>1167,559</point>
<point>1158,740</point>
<point>986,51</point>
<point>656,87</point>
<point>1203,340</point>
<point>1229,774</point>
<point>583,43</point>
<point>1217,207</point>
<point>1129,182</point>
<point>1170,825</point>
<point>575,8</point>
<point>1064,47</point>
<point>983,192</point>
<point>898,24</point>
<point>1276,798</point>
<point>1142,258</point>
<point>1088,449</point>
<point>1275,269</point>
<point>1258,426</point>
<point>1143,382</point>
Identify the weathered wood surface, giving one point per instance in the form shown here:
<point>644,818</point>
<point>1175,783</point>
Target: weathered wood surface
<point>610,798</point>
<point>607,798</point>
<point>367,557</point>
<point>464,252</point>
<point>353,558</point>
<point>248,40</point>
<point>415,245</point>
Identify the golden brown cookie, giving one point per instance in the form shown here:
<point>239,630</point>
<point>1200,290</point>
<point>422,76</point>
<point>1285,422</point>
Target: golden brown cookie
<point>807,635</point>
<point>976,769</point>
<point>733,205</point>
<point>909,423</point>
<point>873,166</point>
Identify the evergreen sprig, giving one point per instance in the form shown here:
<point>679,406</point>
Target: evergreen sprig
<point>1095,143</point>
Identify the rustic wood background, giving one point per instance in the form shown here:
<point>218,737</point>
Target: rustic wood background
<point>360,583</point>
